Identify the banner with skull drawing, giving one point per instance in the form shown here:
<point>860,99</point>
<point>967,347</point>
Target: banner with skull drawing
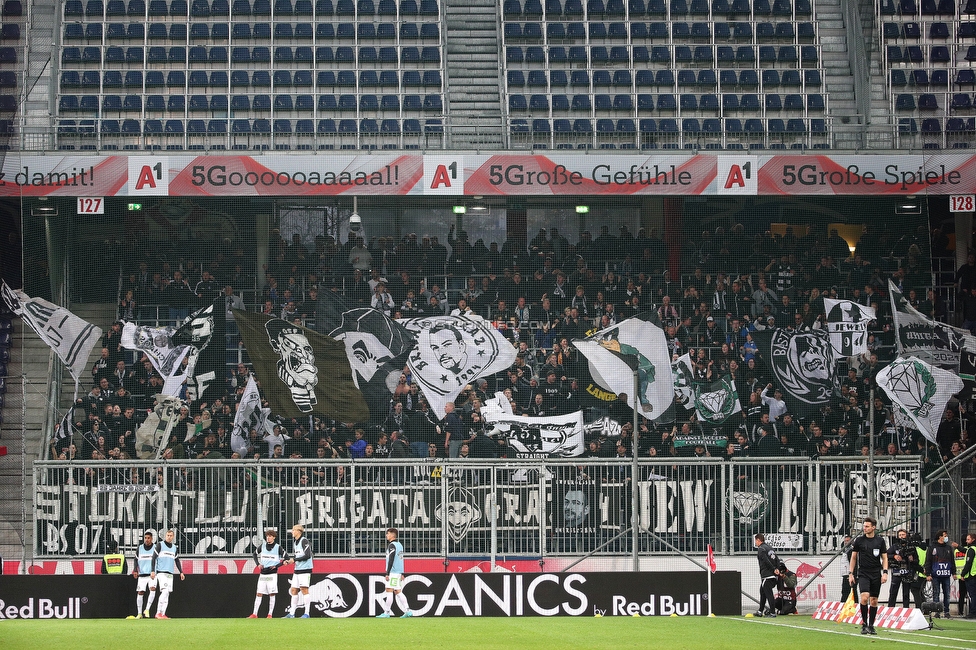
<point>802,364</point>
<point>453,351</point>
<point>301,372</point>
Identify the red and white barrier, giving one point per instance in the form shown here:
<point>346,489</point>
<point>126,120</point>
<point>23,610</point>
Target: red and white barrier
<point>897,618</point>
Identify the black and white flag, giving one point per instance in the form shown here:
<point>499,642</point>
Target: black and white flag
<point>559,436</point>
<point>802,364</point>
<point>920,390</point>
<point>71,338</point>
<point>204,332</point>
<point>847,324</point>
<point>249,416</point>
<point>153,435</point>
<point>453,351</point>
<point>157,344</point>
<point>682,369</point>
<point>377,347</point>
<point>931,341</point>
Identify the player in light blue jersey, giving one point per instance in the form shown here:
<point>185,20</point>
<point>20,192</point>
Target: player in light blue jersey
<point>165,563</point>
<point>270,558</point>
<point>145,555</point>
<point>394,577</point>
<point>302,577</point>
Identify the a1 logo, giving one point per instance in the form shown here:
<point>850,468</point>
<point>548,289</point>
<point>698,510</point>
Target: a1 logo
<point>736,175</point>
<point>443,175</point>
<point>147,176</point>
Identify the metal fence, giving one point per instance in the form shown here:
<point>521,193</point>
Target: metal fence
<point>453,509</point>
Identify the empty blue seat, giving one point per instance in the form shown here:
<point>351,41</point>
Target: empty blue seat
<point>745,54</point>
<point>155,104</point>
<point>928,102</point>
<point>112,79</point>
<point>904,102</point>
<point>708,102</point>
<point>770,78</point>
<point>664,78</point>
<point>644,78</point>
<point>218,103</point>
<point>687,78</point>
<point>682,54</point>
<point>601,78</point>
<point>581,103</point>
<point>152,127</point>
<point>730,102</point>
<point>261,103</point>
<point>748,78</point>
<point>791,78</point>
<point>767,54</point>
<point>666,102</point>
<point>750,102</point>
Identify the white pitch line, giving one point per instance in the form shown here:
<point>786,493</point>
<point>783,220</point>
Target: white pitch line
<point>873,638</point>
<point>934,636</point>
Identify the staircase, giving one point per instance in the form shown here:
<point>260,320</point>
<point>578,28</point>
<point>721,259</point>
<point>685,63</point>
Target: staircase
<point>28,388</point>
<point>473,75</point>
<point>24,411</point>
<point>838,76</point>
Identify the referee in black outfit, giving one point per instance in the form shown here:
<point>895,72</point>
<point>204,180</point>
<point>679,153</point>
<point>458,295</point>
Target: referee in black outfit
<point>869,558</point>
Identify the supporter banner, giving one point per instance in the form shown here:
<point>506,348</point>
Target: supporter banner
<point>472,508</point>
<point>920,391</point>
<point>559,436</point>
<point>301,371</point>
<point>377,347</point>
<point>503,174</point>
<point>452,352</point>
<point>71,338</point>
<point>704,441</point>
<point>345,595</point>
<point>931,341</point>
<point>847,323</point>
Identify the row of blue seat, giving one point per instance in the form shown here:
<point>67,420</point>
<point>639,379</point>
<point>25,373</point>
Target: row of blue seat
<point>71,79</point>
<point>325,126</point>
<point>670,125</point>
<point>247,31</point>
<point>909,125</point>
<point>915,54</point>
<point>930,102</point>
<point>637,8</point>
<point>937,31</point>
<point>662,54</point>
<point>771,77</point>
<point>199,54</point>
<point>223,103</point>
<point>723,31</point>
<point>922,78</point>
<point>221,8</point>
<point>924,8</point>
<point>668,102</point>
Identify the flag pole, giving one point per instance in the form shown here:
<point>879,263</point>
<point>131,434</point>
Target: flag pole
<point>634,475</point>
<point>709,572</point>
<point>871,478</point>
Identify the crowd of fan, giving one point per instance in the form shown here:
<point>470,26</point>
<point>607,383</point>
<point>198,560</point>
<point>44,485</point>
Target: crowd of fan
<point>543,295</point>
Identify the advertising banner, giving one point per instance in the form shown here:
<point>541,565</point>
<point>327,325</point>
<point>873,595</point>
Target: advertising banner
<point>500,175</point>
<point>345,595</point>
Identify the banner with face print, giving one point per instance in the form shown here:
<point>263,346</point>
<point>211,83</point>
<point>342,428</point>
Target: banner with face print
<point>376,346</point>
<point>301,372</point>
<point>558,436</point>
<point>847,323</point>
<point>453,351</point>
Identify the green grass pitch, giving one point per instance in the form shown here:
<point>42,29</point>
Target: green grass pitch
<point>793,632</point>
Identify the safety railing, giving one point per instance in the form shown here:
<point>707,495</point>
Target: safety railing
<point>461,508</point>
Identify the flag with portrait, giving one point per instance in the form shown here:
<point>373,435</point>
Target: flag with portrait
<point>156,343</point>
<point>377,347</point>
<point>301,371</point>
<point>452,352</point>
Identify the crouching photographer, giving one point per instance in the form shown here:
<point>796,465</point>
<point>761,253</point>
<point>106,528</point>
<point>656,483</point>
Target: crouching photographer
<point>905,569</point>
<point>785,601</point>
